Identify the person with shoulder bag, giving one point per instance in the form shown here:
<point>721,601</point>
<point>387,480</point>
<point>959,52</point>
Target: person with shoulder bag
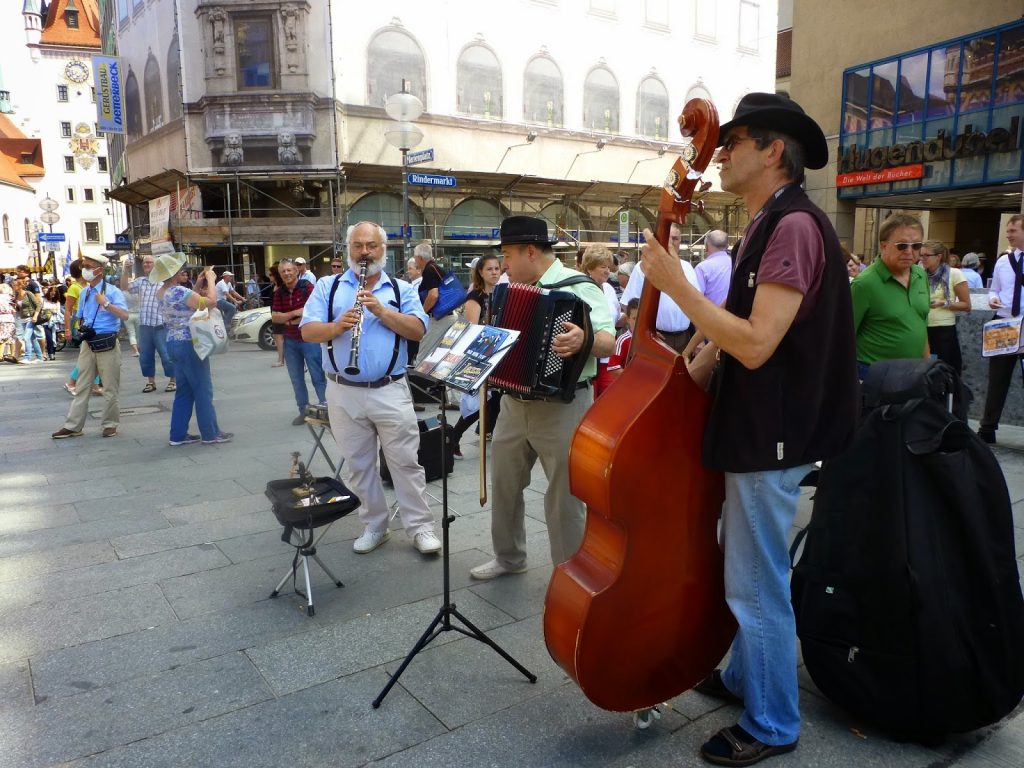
<point>29,312</point>
<point>101,310</point>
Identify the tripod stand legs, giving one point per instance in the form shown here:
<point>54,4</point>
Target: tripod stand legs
<point>442,623</point>
<point>443,620</point>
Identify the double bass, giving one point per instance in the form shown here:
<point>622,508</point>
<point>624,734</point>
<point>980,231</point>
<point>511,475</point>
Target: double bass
<point>638,614</point>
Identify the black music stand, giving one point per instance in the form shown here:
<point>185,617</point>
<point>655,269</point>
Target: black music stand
<point>442,622</point>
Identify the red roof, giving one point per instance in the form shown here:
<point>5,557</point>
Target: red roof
<point>14,148</point>
<point>57,32</point>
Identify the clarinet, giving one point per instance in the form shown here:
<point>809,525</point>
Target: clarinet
<point>352,369</point>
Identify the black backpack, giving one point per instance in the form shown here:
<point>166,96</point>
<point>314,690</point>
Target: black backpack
<point>906,596</point>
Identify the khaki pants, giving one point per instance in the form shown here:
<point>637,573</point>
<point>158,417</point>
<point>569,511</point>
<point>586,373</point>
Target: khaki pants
<point>90,364</point>
<point>527,431</point>
<point>359,418</point>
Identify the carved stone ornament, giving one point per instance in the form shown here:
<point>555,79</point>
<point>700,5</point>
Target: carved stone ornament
<point>218,18</point>
<point>287,151</point>
<point>233,153</point>
<point>290,24</point>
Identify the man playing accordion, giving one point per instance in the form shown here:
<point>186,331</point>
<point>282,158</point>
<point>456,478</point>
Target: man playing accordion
<point>529,428</point>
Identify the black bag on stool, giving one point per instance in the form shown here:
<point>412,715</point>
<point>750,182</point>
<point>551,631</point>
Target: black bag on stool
<point>429,454</point>
<point>907,599</point>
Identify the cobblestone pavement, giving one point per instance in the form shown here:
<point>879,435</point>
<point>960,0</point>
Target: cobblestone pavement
<point>136,629</point>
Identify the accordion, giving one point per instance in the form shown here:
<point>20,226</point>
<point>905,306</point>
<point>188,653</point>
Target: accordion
<point>531,369</point>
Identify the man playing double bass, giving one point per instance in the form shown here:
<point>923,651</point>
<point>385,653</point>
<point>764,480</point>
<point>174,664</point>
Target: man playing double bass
<point>785,395</point>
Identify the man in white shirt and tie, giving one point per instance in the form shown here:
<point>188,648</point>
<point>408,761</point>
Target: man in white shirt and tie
<point>1004,296</point>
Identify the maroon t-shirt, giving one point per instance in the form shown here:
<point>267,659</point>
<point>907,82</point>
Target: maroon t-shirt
<point>794,256</point>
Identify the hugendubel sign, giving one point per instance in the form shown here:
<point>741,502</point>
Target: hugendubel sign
<point>854,160</point>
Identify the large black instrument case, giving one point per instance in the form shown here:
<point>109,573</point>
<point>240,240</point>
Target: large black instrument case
<point>907,596</point>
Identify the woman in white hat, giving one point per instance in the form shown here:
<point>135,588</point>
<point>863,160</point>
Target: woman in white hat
<point>195,386</point>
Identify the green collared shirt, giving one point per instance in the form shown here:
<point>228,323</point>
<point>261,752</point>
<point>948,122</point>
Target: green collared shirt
<point>890,321</point>
<point>600,314</point>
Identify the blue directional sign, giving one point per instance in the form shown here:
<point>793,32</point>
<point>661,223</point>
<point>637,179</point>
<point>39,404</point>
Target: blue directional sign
<point>431,180</point>
<point>423,156</point>
<point>51,237</point>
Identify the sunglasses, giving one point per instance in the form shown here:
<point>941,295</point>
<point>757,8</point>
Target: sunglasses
<point>732,141</point>
<point>337,266</point>
<point>904,246</point>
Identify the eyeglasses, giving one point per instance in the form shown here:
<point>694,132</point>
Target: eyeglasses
<point>732,141</point>
<point>927,255</point>
<point>371,246</point>
<point>904,246</point>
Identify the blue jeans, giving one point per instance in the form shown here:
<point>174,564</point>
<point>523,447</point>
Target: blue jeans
<point>30,341</point>
<point>153,339</point>
<point>195,390</point>
<point>228,309</point>
<point>756,519</point>
<point>305,354</point>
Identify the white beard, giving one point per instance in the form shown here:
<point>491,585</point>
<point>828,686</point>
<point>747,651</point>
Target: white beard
<point>373,268</point>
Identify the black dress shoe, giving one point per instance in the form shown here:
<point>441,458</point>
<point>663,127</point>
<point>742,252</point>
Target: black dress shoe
<point>987,436</point>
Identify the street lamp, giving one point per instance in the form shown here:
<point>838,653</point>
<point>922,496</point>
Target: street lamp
<point>404,108</point>
<point>49,216</point>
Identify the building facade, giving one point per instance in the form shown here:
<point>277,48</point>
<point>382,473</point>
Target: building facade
<point>564,109</point>
<point>928,120</point>
<point>47,71</point>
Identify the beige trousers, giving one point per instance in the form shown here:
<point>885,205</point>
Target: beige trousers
<point>108,366</point>
<point>527,431</point>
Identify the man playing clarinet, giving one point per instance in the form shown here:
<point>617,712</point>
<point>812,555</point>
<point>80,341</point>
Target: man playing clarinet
<point>785,395</point>
<point>377,317</point>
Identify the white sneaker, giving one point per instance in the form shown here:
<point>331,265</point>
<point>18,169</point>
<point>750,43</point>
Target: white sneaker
<point>369,541</point>
<point>492,569</point>
<point>427,542</point>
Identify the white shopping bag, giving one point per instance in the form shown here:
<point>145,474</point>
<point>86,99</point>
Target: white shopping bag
<point>209,336</point>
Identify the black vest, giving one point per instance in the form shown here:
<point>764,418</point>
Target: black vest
<point>801,406</point>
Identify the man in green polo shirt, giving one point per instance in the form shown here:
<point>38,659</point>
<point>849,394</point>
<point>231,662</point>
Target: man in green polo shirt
<point>890,298</point>
<point>529,429</point>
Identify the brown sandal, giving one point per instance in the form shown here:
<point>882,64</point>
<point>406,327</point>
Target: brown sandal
<point>730,747</point>
<point>150,387</point>
<point>171,387</point>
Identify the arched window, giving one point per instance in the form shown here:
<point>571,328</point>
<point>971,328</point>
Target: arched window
<point>478,83</point>
<point>7,228</point>
<point>652,108</point>
<point>698,91</point>
<point>568,222</point>
<point>542,92</point>
<point>473,219</point>
<point>133,105</point>
<point>154,94</point>
<point>174,95</point>
<point>393,56</point>
<point>28,232</point>
<point>601,101</point>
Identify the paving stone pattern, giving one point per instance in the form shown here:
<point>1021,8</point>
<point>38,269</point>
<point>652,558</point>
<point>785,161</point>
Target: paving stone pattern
<point>136,627</point>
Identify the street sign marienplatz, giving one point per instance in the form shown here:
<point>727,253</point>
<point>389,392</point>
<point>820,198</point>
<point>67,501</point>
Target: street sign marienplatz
<point>119,246</point>
<point>51,237</point>
<point>423,156</point>
<point>431,180</point>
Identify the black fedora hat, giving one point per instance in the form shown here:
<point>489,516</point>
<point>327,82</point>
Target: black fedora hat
<point>524,230</point>
<point>780,113</point>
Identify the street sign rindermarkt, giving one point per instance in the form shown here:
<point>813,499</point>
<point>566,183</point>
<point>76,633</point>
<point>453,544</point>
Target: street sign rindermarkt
<point>431,180</point>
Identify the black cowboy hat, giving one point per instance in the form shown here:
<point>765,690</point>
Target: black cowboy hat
<point>524,230</point>
<point>775,112</point>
